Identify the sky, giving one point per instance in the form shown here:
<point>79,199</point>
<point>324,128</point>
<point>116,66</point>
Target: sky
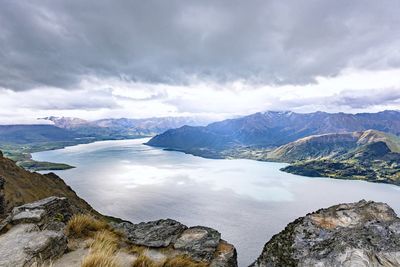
<point>216,58</point>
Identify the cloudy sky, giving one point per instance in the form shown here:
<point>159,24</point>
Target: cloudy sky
<point>218,58</point>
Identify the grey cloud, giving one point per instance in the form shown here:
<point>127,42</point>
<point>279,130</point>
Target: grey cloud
<point>56,43</point>
<point>64,100</point>
<point>354,99</point>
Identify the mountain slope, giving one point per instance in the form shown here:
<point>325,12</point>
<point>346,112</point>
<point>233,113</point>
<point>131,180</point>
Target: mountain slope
<point>332,145</point>
<point>272,129</point>
<point>22,186</point>
<point>370,155</point>
<point>28,134</point>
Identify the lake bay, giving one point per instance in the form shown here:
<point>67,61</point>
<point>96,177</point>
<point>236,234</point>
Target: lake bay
<point>247,201</point>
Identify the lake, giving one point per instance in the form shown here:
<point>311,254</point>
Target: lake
<point>247,201</point>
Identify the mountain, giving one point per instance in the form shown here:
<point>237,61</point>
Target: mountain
<point>332,145</point>
<point>271,129</point>
<point>19,141</point>
<point>28,134</point>
<point>123,128</point>
<point>21,186</point>
<point>370,155</point>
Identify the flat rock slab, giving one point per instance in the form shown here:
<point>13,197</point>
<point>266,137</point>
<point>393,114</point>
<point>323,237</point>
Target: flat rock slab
<point>28,216</point>
<point>24,243</point>
<point>156,234</point>
<point>199,242</point>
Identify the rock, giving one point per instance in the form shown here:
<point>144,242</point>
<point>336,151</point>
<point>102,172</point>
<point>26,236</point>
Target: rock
<point>2,197</point>
<point>1,154</point>
<point>159,233</point>
<point>356,234</point>
<point>49,213</point>
<point>199,242</point>
<point>25,244</point>
<point>225,256</point>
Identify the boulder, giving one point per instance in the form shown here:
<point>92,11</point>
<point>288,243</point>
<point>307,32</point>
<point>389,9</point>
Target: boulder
<point>25,244</point>
<point>34,232</point>
<point>225,255</point>
<point>156,234</point>
<point>2,197</point>
<point>49,213</point>
<point>199,242</point>
<point>355,234</point>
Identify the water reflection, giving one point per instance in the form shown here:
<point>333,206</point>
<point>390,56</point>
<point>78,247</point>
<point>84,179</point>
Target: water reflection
<point>247,201</point>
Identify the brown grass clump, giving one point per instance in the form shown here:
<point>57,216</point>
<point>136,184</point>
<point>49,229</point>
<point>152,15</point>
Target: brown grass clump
<point>139,250</point>
<point>82,225</point>
<point>102,250</point>
<point>104,241</point>
<point>182,261</point>
<point>177,261</point>
<point>99,259</point>
<point>144,261</point>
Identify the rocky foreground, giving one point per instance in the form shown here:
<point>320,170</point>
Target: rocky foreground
<point>357,234</point>
<point>39,229</point>
<point>39,234</point>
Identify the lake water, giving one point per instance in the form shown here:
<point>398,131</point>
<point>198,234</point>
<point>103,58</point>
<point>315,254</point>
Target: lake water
<point>247,201</point>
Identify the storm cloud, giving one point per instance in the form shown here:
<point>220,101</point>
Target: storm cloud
<point>124,58</point>
<point>58,43</point>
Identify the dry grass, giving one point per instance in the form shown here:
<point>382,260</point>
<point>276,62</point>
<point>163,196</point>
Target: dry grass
<point>102,250</point>
<point>99,259</point>
<point>177,261</point>
<point>82,225</point>
<point>138,250</point>
<point>104,241</point>
<point>144,261</point>
<point>182,261</point>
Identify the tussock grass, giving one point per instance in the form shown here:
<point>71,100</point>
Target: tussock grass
<point>82,225</point>
<point>99,259</point>
<point>182,261</point>
<point>139,250</point>
<point>102,250</point>
<point>177,261</point>
<point>104,241</point>
<point>144,261</point>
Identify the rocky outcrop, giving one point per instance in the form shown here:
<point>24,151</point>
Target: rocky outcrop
<point>34,232</point>
<point>2,197</point>
<point>356,234</point>
<point>156,234</point>
<point>200,243</point>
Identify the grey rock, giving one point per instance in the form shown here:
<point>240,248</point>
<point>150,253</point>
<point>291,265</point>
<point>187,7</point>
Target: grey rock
<point>225,255</point>
<point>24,244</point>
<point>28,216</point>
<point>47,213</point>
<point>355,234</point>
<point>159,233</point>
<point>2,196</point>
<point>199,242</point>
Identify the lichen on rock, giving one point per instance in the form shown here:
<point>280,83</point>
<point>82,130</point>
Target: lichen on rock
<point>355,234</point>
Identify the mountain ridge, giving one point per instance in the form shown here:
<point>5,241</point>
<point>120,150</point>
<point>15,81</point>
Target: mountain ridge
<point>272,129</point>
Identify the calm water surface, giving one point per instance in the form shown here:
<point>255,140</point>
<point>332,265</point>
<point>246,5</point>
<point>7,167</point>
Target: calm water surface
<point>247,201</point>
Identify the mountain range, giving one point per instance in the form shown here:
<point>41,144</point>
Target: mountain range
<point>361,146</point>
<point>123,128</point>
<point>19,141</point>
<point>272,129</point>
